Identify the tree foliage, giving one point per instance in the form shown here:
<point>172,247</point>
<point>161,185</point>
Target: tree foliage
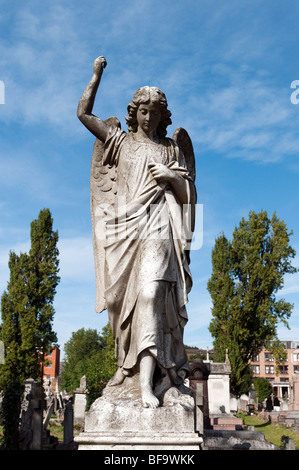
<point>247,273</point>
<point>27,311</point>
<point>263,389</point>
<point>91,354</point>
<point>82,345</point>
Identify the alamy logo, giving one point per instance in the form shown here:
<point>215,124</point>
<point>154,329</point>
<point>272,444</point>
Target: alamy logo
<point>294,96</point>
<point>154,222</point>
<point>2,92</point>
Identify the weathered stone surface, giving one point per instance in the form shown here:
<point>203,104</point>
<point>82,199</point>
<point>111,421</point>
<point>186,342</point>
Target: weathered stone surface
<point>236,440</point>
<point>118,420</point>
<point>143,199</point>
<point>139,441</point>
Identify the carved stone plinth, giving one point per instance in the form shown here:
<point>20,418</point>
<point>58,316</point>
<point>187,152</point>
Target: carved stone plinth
<point>118,421</point>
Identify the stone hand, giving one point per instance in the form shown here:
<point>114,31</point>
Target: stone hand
<point>98,66</point>
<point>160,172</point>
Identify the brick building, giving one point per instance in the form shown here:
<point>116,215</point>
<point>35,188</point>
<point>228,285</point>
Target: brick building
<point>51,370</point>
<point>263,365</point>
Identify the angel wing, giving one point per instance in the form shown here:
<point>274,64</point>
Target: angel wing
<point>183,140</point>
<point>102,195</point>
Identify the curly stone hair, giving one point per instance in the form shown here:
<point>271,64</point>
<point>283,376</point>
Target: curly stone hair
<point>143,96</point>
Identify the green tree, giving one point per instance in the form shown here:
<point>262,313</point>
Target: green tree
<point>27,314</point>
<point>91,354</point>
<point>82,345</point>
<point>101,366</point>
<point>263,389</point>
<point>247,273</point>
<point>42,281</point>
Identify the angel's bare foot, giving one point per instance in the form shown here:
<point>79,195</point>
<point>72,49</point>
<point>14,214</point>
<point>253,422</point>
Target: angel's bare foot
<point>118,378</point>
<point>148,398</point>
<point>147,367</point>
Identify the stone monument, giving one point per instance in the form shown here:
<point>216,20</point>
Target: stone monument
<point>80,402</point>
<point>143,200</point>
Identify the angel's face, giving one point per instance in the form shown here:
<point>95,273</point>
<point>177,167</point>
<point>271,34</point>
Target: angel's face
<point>148,116</point>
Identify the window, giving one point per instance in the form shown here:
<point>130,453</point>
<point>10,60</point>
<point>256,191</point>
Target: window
<point>255,369</point>
<point>269,369</point>
<point>295,357</point>
<point>269,357</point>
<point>283,369</point>
<point>284,392</point>
<point>296,369</point>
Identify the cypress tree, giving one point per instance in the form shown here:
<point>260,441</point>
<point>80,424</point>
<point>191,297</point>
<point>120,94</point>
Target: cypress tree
<point>27,315</point>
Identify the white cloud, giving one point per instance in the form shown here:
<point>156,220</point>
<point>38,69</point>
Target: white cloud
<point>229,106</point>
<point>76,259</point>
<point>41,66</point>
<point>243,120</point>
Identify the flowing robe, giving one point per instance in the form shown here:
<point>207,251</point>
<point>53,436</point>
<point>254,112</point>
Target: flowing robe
<point>147,233</point>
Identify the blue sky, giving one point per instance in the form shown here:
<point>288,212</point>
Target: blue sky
<point>226,69</point>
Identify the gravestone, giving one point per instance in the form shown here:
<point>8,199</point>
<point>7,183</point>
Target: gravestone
<point>25,434</point>
<point>32,407</point>
<point>80,402</point>
<point>199,374</point>
<point>219,386</point>
<point>37,418</point>
<point>68,429</point>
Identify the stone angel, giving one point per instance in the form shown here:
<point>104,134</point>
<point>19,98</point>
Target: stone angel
<point>143,200</point>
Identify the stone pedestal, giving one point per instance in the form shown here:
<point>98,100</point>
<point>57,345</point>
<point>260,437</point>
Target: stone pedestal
<point>118,421</point>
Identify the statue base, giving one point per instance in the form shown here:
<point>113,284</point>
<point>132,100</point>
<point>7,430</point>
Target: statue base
<point>118,421</point>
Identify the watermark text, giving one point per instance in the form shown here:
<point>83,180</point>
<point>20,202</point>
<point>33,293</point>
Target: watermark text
<point>295,95</point>
<point>152,222</point>
<point>2,92</point>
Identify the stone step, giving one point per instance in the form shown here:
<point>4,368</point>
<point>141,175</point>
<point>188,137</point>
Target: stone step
<point>224,427</point>
<point>226,420</point>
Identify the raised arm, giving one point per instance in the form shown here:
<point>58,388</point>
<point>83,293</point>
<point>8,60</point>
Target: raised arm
<point>85,106</point>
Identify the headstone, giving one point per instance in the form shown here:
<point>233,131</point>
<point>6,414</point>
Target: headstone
<point>60,401</point>
<point>37,418</point>
<point>199,374</point>
<point>291,445</point>
<point>243,402</point>
<point>49,413</point>
<point>199,415</point>
<point>68,432</point>
<point>219,387</point>
<point>80,402</point>
<point>25,433</point>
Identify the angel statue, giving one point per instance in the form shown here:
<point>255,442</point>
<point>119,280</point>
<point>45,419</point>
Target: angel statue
<point>142,194</point>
